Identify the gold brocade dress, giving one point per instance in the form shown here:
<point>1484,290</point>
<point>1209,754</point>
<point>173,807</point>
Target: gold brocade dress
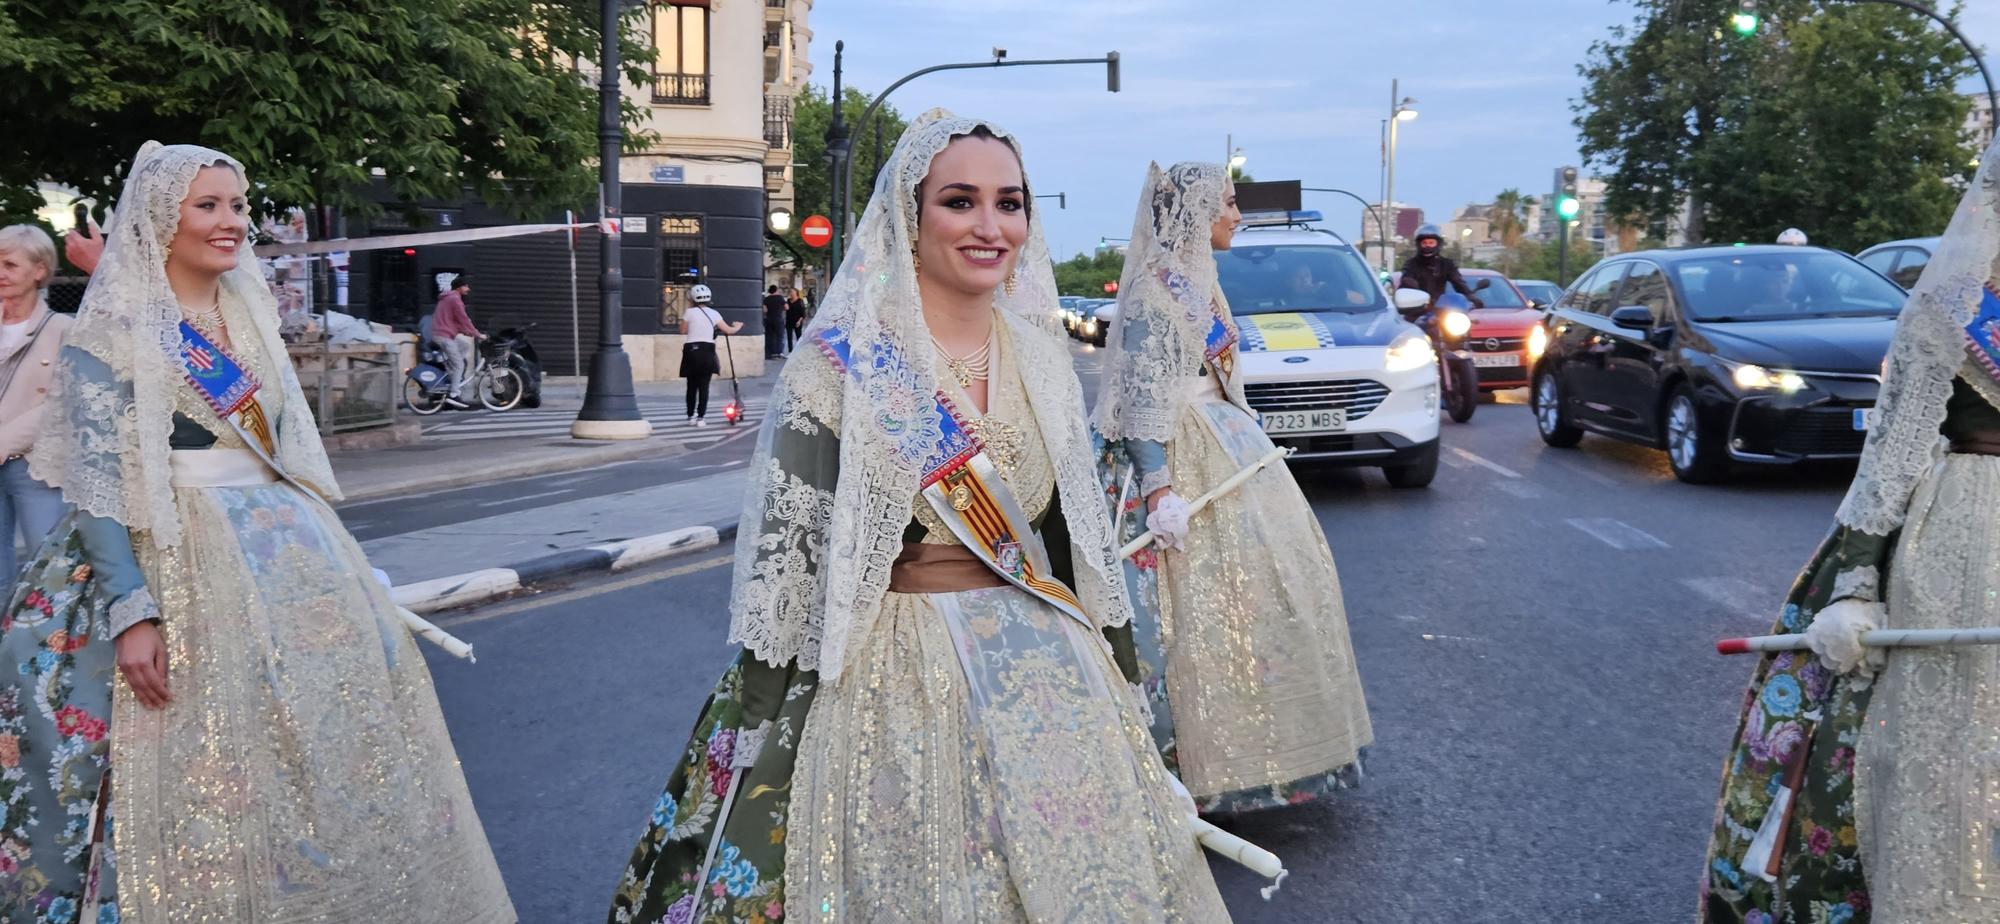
<point>979,759</point>
<point>303,771</point>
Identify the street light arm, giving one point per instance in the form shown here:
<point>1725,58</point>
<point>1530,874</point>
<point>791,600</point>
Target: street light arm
<point>1109,60</point>
<point>1381,227</point>
<point>1992,98</point>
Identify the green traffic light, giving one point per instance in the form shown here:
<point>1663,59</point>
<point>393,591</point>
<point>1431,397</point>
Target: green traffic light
<point>1568,207</point>
<point>1744,23</point>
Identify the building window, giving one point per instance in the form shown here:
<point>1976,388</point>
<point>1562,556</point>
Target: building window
<point>680,52</point>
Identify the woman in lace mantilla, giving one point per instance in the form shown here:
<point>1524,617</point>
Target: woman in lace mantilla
<point>1891,753</point>
<point>1246,661</point>
<point>279,752</point>
<point>926,722</point>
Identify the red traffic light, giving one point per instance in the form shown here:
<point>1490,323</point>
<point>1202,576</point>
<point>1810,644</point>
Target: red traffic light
<point>1111,286</point>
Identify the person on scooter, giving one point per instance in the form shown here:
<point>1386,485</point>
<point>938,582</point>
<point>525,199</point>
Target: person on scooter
<point>1430,271</point>
<point>698,362</point>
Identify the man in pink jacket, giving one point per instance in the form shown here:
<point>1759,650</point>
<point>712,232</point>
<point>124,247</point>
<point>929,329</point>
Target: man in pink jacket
<point>453,328</point>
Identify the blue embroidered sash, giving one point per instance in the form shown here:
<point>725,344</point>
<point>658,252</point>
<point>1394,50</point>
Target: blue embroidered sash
<point>1982,336</point>
<point>227,387</point>
<point>964,487</point>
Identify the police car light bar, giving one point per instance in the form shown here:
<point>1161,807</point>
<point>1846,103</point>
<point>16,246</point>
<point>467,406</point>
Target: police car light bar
<point>1286,218</point>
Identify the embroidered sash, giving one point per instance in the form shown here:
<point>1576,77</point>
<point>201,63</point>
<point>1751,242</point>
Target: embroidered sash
<point>228,388</point>
<point>1982,336</point>
<point>964,487</point>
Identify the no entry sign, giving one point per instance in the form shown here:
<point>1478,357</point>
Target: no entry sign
<point>816,231</point>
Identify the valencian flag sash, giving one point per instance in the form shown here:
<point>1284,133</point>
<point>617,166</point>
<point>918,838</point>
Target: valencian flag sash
<point>1220,345</point>
<point>227,387</point>
<point>1982,336</point>
<point>965,488</point>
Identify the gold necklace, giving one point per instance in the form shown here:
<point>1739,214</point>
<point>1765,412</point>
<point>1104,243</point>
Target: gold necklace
<point>967,369</point>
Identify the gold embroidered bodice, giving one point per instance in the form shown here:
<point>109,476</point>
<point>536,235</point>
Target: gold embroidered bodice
<point>1008,430</point>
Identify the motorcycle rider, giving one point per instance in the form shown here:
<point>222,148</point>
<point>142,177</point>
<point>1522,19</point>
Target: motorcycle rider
<point>1430,271</point>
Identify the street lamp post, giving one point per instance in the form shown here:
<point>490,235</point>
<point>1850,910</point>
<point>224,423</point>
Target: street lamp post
<point>845,172</point>
<point>837,145</point>
<point>610,404</point>
<point>1381,226</point>
<point>1401,109</point>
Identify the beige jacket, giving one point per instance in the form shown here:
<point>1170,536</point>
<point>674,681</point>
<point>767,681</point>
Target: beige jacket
<point>35,364</point>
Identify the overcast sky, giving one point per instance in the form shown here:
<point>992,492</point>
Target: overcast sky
<point>1302,87</point>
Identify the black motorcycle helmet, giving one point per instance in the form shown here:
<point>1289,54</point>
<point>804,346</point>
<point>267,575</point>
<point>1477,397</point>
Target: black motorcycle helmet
<point>1429,240</point>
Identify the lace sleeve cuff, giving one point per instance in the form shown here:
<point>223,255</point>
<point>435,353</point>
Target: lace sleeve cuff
<point>1863,583</point>
<point>133,609</point>
<point>1155,480</point>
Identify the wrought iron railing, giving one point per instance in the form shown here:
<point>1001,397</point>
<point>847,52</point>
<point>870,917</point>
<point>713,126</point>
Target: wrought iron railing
<point>778,121</point>
<point>680,88</point>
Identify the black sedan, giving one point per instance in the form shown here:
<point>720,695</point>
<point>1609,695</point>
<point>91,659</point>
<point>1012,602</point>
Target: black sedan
<point>1761,354</point>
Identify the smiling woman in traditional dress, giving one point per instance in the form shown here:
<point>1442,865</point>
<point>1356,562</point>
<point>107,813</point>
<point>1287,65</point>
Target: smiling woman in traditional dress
<point>1888,756</point>
<point>1254,692</point>
<point>279,752</point>
<point>925,723</point>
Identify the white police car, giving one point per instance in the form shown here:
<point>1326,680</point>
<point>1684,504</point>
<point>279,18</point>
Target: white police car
<point>1326,360</point>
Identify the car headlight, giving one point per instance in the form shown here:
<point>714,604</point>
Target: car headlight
<point>1538,341</point>
<point>1752,377</point>
<point>1456,323</point>
<point>1410,351</point>
<point>1090,328</point>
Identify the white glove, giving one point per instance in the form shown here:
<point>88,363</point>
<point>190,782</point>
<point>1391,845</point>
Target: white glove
<point>1181,793</point>
<point>1835,635</point>
<point>1169,522</point>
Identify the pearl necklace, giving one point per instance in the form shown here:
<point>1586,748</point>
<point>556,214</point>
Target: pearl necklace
<point>967,369</point>
<point>209,322</point>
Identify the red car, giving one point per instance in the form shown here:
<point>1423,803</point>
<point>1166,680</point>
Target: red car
<point>1506,336</point>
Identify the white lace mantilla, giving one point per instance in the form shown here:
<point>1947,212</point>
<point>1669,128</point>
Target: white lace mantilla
<point>813,564</point>
<point>1161,332</point>
<point>1928,353</point>
<point>106,445</point>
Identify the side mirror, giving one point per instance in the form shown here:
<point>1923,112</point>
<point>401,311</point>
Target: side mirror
<point>1482,285</point>
<point>1538,304</point>
<point>1633,317</point>
<point>1411,300</point>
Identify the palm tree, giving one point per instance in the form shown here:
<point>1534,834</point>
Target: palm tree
<point>1506,216</point>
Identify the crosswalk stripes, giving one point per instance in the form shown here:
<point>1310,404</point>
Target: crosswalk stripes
<point>669,419</point>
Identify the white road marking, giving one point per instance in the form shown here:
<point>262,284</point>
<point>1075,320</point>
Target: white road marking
<point>1520,489</point>
<point>590,588</point>
<point>1483,462</point>
<point>1736,596</point>
<point>1617,533</point>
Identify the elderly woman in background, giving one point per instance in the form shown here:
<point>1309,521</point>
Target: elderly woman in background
<point>30,335</point>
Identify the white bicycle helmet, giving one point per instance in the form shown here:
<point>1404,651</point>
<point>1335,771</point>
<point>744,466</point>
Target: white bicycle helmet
<point>701,295</point>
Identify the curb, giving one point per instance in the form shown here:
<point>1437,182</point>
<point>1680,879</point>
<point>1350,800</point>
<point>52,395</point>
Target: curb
<point>479,586</point>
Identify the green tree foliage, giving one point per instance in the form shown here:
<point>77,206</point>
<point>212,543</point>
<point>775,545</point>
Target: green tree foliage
<point>314,97</point>
<point>1533,259</point>
<point>1839,118</point>
<point>1086,274</point>
<point>812,114</point>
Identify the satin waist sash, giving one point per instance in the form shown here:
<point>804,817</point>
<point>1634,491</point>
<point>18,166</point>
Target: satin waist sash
<point>940,569</point>
<point>218,468</point>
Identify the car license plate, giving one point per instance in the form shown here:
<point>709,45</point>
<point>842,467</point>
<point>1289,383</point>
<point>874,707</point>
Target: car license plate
<point>1326,420</point>
<point>1862,416</point>
<point>1496,359</point>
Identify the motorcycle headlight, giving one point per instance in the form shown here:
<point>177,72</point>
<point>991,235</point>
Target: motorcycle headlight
<point>1752,377</point>
<point>1456,323</point>
<point>1410,351</point>
<point>1538,341</point>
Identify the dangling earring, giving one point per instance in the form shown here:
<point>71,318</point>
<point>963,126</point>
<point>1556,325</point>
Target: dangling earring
<point>169,248</point>
<point>1009,285</point>
<point>916,260</point>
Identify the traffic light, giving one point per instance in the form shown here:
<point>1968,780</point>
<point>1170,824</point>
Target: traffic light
<point>1745,20</point>
<point>1568,206</point>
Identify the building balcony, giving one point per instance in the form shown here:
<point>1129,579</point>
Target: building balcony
<point>778,122</point>
<point>680,89</point>
<point>776,10</point>
<point>774,42</point>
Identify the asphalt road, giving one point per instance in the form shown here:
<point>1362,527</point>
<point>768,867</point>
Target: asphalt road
<point>1535,634</point>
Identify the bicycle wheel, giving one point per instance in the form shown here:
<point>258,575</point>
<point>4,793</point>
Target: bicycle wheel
<point>421,401</point>
<point>500,389</point>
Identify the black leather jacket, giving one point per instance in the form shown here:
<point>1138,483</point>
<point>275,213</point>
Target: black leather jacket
<point>1430,275</point>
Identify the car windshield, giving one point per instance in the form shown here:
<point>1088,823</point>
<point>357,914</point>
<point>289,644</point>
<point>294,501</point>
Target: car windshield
<point>1546,293</point>
<point>1296,277</point>
<point>1772,286</point>
<point>1499,294</point>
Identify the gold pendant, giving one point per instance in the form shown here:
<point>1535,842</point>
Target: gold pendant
<point>961,498</point>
